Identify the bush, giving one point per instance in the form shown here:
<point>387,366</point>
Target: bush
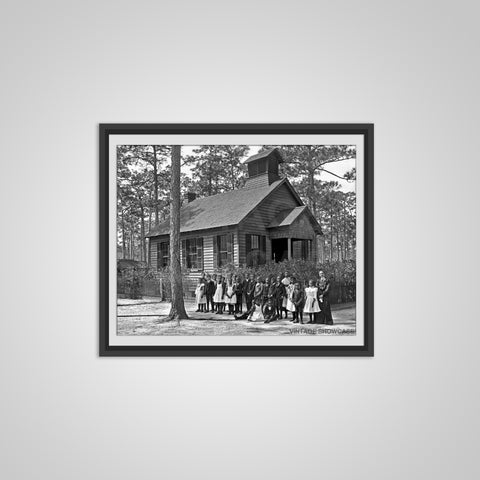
<point>303,270</point>
<point>128,282</point>
<point>134,282</point>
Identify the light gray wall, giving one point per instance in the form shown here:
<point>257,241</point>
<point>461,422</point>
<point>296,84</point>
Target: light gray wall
<point>410,412</point>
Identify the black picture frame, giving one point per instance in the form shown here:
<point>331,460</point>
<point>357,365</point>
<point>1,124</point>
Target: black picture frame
<point>364,129</point>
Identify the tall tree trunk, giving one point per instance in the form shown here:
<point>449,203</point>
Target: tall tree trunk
<point>143,241</point>
<point>311,194</point>
<point>177,310</point>
<point>124,246</point>
<point>331,236</point>
<point>311,182</point>
<point>339,247</point>
<point>155,184</point>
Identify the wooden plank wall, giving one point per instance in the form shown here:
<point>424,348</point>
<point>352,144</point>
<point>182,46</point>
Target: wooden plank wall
<point>207,248</point>
<point>262,180</point>
<point>236,252</point>
<point>208,253</point>
<point>253,224</point>
<point>257,221</point>
<point>153,248</point>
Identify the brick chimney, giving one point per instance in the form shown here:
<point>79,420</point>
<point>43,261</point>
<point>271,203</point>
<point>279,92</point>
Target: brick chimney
<point>263,168</point>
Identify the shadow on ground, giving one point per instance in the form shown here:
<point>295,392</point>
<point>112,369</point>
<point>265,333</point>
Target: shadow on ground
<point>148,316</point>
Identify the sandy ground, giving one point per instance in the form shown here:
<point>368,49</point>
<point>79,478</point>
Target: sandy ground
<point>148,317</point>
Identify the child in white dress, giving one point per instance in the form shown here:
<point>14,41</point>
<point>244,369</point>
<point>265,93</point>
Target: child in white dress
<point>200,297</point>
<point>311,301</point>
<point>286,282</point>
<point>218,298</point>
<point>256,314</point>
<point>290,307</point>
<point>230,297</point>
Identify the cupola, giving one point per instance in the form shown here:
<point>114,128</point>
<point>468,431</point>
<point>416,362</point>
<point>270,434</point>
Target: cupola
<point>263,168</point>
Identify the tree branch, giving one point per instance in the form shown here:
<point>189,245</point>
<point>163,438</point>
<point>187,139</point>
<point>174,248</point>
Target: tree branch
<point>335,175</point>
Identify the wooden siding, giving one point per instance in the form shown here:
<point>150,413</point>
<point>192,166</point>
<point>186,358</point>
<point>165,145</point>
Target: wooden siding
<point>208,253</point>
<point>153,248</point>
<point>254,224</point>
<point>208,239</point>
<point>261,180</point>
<point>301,228</point>
<point>236,258</point>
<point>296,250</point>
<point>257,221</point>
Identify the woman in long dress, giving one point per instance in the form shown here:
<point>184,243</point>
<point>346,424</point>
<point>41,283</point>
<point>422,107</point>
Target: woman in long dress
<point>320,317</point>
<point>311,301</point>
<point>324,297</point>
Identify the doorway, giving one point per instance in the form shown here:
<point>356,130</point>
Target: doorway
<point>279,249</point>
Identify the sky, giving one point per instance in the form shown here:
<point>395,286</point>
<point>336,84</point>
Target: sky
<point>340,168</point>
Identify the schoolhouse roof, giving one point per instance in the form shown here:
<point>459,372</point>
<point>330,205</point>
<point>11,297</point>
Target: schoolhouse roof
<point>286,217</point>
<point>222,210</point>
<point>266,153</point>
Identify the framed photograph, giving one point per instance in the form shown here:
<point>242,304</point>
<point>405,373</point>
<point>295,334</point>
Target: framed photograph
<point>236,239</point>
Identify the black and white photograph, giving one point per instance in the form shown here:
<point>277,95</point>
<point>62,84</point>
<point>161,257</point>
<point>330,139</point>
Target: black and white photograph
<point>230,240</point>
<point>240,240</point>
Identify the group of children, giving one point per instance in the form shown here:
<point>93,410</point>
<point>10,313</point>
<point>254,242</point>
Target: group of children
<point>268,299</point>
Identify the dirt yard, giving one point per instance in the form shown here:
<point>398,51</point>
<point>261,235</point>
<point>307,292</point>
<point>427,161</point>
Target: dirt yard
<point>148,317</point>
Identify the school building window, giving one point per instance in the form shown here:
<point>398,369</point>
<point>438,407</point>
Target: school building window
<point>223,249</point>
<point>163,254</point>
<point>256,249</point>
<point>192,253</point>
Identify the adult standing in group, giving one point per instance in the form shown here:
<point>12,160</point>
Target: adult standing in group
<point>258,292</point>
<point>324,286</point>
<point>209,292</point>
<point>248,289</point>
<point>238,293</point>
<point>279,293</point>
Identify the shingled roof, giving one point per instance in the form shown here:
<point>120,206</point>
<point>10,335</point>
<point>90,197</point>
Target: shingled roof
<point>216,211</point>
<point>287,217</point>
<point>266,153</point>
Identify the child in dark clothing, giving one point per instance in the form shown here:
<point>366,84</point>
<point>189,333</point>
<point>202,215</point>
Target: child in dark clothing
<point>209,292</point>
<point>266,290</point>
<point>269,311</point>
<point>239,294</point>
<point>297,301</point>
<point>214,280</point>
<point>279,293</point>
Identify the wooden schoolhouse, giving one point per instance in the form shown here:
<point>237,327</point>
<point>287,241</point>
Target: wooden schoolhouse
<point>264,221</point>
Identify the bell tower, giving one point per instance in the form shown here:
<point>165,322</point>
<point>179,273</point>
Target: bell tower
<point>263,168</point>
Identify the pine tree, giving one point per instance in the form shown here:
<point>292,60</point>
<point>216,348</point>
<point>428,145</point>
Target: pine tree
<point>177,310</point>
